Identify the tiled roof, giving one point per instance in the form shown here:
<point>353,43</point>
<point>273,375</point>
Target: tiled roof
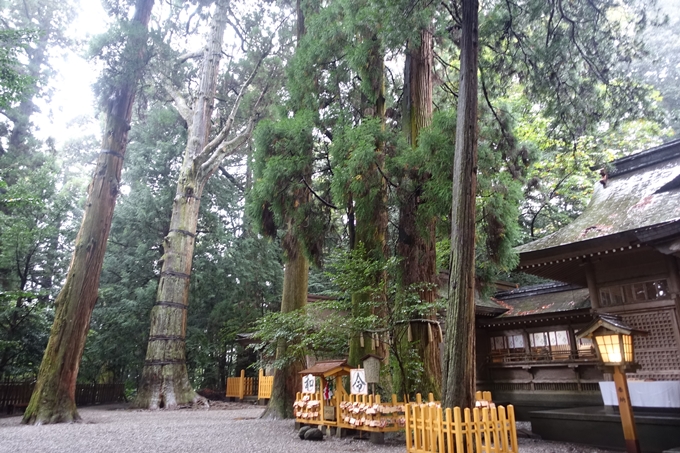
<point>542,299</point>
<point>642,190</point>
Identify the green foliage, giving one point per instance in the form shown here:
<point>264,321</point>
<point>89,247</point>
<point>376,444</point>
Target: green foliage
<point>283,171</point>
<point>569,58</point>
<point>354,158</point>
<point>322,328</point>
<point>560,180</point>
<point>501,168</point>
<point>304,333</point>
<point>112,50</point>
<point>35,220</point>
<point>14,84</point>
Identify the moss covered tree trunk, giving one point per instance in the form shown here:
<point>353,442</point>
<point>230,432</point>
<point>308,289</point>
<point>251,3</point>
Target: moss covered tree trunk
<point>416,242</point>
<point>53,399</point>
<point>295,282</point>
<point>459,359</point>
<point>165,381</point>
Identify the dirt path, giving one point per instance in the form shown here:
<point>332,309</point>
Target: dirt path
<point>227,428</point>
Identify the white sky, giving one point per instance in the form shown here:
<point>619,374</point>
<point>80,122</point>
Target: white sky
<point>73,95</point>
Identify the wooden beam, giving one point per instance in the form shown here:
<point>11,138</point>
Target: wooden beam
<point>592,285</point>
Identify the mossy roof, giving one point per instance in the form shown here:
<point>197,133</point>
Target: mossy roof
<point>642,190</point>
<point>565,299</point>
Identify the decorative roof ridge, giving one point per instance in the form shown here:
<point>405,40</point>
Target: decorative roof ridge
<point>531,290</point>
<point>642,159</point>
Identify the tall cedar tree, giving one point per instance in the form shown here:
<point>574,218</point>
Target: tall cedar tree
<point>165,381</point>
<point>293,138</point>
<point>53,399</point>
<point>459,360</point>
<point>370,228</point>
<point>417,238</point>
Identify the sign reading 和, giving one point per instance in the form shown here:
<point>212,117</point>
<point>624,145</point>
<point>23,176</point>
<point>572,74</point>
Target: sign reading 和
<point>308,384</point>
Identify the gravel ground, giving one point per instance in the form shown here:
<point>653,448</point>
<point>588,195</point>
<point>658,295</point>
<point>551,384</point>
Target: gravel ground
<point>229,427</point>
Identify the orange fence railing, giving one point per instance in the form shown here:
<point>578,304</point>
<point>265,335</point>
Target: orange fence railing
<point>242,386</point>
<point>431,429</point>
<point>264,386</point>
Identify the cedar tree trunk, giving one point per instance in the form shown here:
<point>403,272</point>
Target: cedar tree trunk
<point>53,399</point>
<point>165,381</point>
<point>416,244</point>
<point>459,364</point>
<point>295,282</point>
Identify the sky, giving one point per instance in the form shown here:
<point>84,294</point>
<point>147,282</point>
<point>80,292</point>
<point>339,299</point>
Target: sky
<point>73,96</point>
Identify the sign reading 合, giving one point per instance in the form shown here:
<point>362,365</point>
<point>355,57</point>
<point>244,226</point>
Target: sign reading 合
<point>308,384</point>
<point>358,385</point>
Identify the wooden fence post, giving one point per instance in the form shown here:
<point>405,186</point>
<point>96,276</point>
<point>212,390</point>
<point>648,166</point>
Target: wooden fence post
<point>242,385</point>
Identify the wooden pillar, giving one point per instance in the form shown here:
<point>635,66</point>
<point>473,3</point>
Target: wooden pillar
<point>592,285</point>
<point>573,347</point>
<point>626,411</point>
<point>242,385</point>
<point>527,343</point>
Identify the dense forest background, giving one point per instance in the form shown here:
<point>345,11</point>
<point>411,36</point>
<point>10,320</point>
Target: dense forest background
<point>329,172</point>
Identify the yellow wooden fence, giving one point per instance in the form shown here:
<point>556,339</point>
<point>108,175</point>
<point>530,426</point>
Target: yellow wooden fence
<point>430,429</point>
<point>242,386</point>
<point>264,386</point>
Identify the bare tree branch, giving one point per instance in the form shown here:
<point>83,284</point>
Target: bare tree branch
<point>179,101</point>
<point>189,55</point>
<point>222,135</point>
<point>493,110</point>
<point>231,179</point>
<point>317,196</point>
<point>225,148</point>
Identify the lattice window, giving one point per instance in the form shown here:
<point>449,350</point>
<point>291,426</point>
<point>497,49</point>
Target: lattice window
<point>507,342</point>
<point>634,293</point>
<point>611,296</point>
<point>659,350</point>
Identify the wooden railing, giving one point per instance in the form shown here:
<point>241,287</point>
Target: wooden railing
<point>16,395</point>
<point>264,386</point>
<point>242,386</point>
<point>430,429</point>
<point>239,387</point>
<point>556,353</point>
<point>87,394</point>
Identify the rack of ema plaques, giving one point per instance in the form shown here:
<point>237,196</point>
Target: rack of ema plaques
<point>322,392</point>
<point>360,412</point>
<point>332,406</point>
